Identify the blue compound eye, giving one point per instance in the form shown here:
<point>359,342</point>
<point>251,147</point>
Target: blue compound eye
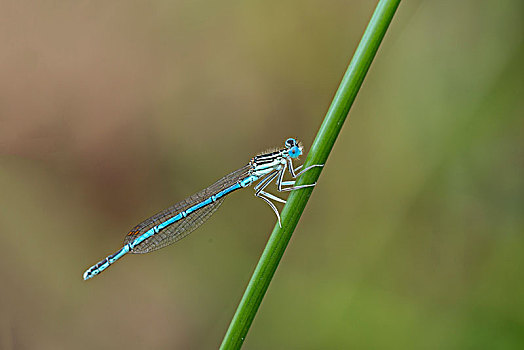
<point>294,152</point>
<point>290,142</point>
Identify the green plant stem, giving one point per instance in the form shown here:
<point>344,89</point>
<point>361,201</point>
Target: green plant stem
<point>318,154</point>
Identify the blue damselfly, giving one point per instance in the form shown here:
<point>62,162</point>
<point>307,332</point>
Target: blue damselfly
<point>179,220</point>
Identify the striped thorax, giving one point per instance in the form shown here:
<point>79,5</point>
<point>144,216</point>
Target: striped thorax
<point>266,163</point>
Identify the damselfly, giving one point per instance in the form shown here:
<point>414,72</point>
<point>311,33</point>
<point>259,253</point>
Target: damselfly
<point>179,220</point>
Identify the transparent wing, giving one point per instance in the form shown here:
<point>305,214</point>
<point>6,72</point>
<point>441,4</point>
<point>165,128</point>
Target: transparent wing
<point>175,231</point>
<point>185,226</point>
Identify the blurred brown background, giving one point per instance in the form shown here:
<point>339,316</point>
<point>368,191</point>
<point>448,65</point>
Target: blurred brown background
<point>111,111</point>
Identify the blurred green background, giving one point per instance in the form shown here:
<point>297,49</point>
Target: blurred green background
<point>112,111</point>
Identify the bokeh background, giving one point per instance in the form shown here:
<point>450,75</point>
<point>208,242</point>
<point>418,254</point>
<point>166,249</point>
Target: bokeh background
<point>112,111</point>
